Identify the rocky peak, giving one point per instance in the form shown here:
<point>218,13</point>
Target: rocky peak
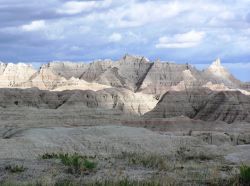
<point>132,59</point>
<point>217,74</point>
<point>217,69</point>
<point>216,66</point>
<point>217,63</point>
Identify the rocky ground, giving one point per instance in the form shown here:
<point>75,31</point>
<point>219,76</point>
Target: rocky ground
<point>176,151</point>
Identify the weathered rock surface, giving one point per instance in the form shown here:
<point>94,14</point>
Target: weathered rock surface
<point>228,106</point>
<point>13,74</point>
<point>67,69</point>
<point>135,73</point>
<point>122,100</point>
<point>128,86</point>
<point>217,74</point>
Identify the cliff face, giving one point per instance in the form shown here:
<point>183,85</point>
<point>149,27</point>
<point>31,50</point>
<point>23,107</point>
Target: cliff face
<point>129,72</point>
<point>122,101</point>
<point>162,76</point>
<point>13,74</point>
<point>203,104</point>
<point>67,69</point>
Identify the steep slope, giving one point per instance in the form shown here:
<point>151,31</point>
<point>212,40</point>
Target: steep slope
<point>228,106</point>
<point>44,79</point>
<point>12,74</point>
<point>163,75</point>
<point>121,100</point>
<point>111,77</point>
<point>95,69</point>
<point>67,69</point>
<point>133,69</point>
<point>217,74</point>
<point>47,78</point>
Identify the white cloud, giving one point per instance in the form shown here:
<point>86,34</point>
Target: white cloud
<point>50,30</point>
<point>115,37</point>
<point>34,26</point>
<point>75,48</point>
<point>75,7</point>
<point>134,14</point>
<point>185,40</point>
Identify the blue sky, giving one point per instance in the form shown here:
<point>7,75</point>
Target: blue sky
<point>194,31</point>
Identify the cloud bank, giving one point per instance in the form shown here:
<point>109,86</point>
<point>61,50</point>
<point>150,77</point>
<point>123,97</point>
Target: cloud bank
<point>185,40</point>
<point>194,31</point>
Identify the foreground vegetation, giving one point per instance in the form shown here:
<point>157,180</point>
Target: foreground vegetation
<point>80,166</point>
<point>245,174</point>
<point>154,161</point>
<point>76,163</point>
<point>15,168</point>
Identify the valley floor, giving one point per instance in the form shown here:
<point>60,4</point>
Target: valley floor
<point>119,154</point>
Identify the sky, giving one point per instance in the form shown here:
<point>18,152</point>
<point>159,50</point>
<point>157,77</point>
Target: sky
<point>183,31</point>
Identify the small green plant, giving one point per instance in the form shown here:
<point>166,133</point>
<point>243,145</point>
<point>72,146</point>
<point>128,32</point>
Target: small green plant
<point>245,174</point>
<point>89,164</point>
<point>146,160</point>
<point>49,156</point>
<point>76,163</point>
<point>15,168</point>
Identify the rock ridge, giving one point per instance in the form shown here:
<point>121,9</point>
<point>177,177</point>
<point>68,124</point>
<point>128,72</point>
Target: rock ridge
<point>135,73</point>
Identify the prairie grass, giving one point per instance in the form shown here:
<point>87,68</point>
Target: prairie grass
<point>76,163</point>
<point>15,168</point>
<point>245,174</point>
<point>154,161</point>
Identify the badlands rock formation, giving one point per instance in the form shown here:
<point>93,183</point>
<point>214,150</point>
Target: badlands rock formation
<point>121,100</point>
<point>203,104</point>
<point>13,74</point>
<point>132,72</point>
<point>131,85</point>
<point>216,73</point>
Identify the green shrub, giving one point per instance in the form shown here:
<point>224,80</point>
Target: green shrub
<point>89,164</point>
<point>245,174</point>
<point>49,156</point>
<point>76,163</point>
<point>15,168</point>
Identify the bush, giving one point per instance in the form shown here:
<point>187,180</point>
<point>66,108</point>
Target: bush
<point>15,168</point>
<point>245,174</point>
<point>50,156</point>
<point>89,164</point>
<point>76,163</point>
